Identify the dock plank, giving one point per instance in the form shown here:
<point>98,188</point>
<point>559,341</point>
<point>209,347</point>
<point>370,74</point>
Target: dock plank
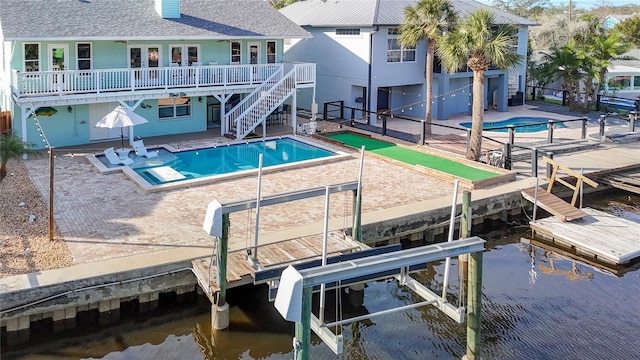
<point>628,181</point>
<point>610,238</point>
<point>553,204</point>
<point>303,249</point>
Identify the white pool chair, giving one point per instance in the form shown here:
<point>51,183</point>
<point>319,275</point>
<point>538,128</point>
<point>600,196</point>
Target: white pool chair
<point>113,158</point>
<point>141,150</point>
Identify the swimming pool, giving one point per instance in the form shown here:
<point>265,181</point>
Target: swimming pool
<point>534,124</point>
<point>617,104</point>
<point>224,159</point>
<point>216,162</point>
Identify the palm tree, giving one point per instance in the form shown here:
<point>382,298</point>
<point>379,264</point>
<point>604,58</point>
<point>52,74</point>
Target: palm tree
<point>565,64</point>
<point>12,147</point>
<point>478,43</point>
<point>428,20</point>
<point>596,48</point>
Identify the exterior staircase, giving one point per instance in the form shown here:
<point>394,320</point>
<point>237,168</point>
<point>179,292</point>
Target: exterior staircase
<point>262,101</point>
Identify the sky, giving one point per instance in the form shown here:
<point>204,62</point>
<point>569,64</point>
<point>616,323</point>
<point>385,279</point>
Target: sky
<point>584,4</point>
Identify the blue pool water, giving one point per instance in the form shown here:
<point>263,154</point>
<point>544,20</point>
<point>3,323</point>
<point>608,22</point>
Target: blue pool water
<point>534,124</point>
<point>617,104</point>
<point>224,159</point>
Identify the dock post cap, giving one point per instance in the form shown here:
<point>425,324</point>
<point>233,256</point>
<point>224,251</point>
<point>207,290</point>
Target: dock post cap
<point>289,296</point>
<point>213,219</point>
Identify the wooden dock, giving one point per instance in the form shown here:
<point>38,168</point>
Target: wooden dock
<point>554,205</point>
<point>604,237</point>
<point>241,272</point>
<point>628,181</point>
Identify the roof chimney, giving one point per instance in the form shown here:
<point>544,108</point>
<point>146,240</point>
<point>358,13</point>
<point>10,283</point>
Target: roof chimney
<point>168,9</point>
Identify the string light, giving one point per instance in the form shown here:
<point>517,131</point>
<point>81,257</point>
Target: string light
<point>443,96</point>
<point>38,125</point>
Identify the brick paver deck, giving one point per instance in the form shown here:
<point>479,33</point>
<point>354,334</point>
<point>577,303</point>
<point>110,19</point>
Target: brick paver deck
<point>107,216</point>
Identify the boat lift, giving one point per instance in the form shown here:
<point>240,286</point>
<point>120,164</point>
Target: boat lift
<point>293,299</point>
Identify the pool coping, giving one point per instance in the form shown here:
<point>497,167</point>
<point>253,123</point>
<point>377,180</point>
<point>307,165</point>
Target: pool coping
<point>149,188</point>
<point>502,176</point>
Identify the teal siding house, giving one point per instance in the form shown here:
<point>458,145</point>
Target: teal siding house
<point>184,65</point>
<point>612,20</point>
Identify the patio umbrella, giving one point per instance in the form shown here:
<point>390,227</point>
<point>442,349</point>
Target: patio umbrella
<point>120,117</point>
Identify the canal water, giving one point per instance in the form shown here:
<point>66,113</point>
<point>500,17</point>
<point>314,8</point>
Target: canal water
<point>537,304</point>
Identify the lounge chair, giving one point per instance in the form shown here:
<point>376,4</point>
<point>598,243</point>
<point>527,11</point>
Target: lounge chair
<point>141,150</point>
<point>113,158</point>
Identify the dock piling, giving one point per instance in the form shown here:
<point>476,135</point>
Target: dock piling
<point>534,162</point>
<point>303,328</point>
<point>220,310</point>
<point>474,306</point>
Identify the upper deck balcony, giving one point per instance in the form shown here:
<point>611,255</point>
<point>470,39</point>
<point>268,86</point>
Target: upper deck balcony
<point>56,85</point>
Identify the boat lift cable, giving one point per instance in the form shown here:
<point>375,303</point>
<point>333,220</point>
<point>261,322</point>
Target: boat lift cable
<point>447,263</point>
<point>98,287</point>
<point>258,198</point>
<point>325,234</point>
<point>217,297</point>
<point>248,237</point>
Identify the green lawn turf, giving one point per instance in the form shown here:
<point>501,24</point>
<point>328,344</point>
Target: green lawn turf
<point>413,157</point>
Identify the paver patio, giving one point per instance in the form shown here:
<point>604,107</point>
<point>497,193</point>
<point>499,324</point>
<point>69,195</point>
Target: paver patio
<point>107,216</point>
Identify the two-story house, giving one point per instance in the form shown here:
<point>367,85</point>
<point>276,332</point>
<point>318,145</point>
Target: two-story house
<point>184,65</point>
<point>360,60</point>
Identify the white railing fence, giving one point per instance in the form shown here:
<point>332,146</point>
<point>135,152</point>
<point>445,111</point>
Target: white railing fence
<point>67,82</point>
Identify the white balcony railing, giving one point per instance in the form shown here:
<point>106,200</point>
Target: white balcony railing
<point>66,82</point>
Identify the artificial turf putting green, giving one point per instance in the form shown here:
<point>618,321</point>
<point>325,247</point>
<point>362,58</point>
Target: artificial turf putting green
<point>413,157</point>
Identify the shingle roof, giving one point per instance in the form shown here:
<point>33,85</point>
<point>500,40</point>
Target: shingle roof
<point>137,19</point>
<point>321,13</point>
<point>621,17</point>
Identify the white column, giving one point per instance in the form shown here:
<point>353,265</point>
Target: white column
<point>294,106</point>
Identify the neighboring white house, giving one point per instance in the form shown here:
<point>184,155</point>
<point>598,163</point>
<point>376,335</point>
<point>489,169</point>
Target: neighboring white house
<point>623,76</point>
<point>359,59</point>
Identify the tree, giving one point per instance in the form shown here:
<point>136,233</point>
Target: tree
<point>12,147</point>
<point>524,8</point>
<point>601,49</point>
<point>564,64</point>
<point>583,62</point>
<point>428,20</point>
<point>279,4</point>
<point>479,43</point>
<point>631,29</point>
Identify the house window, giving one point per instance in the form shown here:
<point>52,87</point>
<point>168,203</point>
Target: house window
<point>176,55</point>
<point>395,51</point>
<point>620,83</point>
<point>184,55</point>
<point>174,107</point>
<point>347,31</point>
<point>235,52</point>
<point>84,56</point>
<point>31,57</point>
<point>193,54</point>
<point>271,52</point>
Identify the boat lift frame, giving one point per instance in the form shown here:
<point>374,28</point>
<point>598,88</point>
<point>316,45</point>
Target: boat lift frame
<point>366,267</point>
